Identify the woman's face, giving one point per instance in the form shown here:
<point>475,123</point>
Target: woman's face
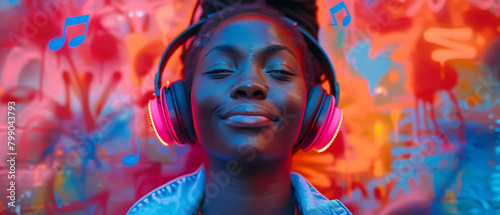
<point>248,95</point>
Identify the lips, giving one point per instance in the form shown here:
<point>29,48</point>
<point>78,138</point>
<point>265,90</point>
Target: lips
<point>249,115</point>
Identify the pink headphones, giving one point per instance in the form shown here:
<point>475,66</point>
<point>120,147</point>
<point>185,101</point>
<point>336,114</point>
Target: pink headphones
<point>170,111</point>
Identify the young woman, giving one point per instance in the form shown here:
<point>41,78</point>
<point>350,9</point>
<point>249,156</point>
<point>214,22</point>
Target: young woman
<point>248,74</point>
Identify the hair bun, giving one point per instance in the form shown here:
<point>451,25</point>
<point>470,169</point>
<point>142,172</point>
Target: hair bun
<point>301,11</point>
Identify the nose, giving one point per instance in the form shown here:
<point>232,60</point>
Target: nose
<point>250,84</point>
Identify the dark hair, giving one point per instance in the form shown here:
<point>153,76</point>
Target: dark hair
<point>190,56</point>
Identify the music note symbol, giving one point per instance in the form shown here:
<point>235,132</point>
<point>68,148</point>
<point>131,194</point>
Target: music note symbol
<point>336,9</point>
<point>131,160</point>
<point>58,42</point>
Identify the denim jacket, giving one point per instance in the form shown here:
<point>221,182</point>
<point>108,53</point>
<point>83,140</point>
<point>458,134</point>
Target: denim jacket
<point>184,195</point>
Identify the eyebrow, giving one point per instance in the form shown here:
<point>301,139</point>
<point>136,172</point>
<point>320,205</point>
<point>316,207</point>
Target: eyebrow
<point>232,50</point>
<point>275,48</point>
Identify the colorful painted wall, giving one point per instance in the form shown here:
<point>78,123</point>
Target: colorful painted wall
<point>419,87</point>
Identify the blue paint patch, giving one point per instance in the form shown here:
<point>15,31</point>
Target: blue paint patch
<point>58,200</point>
<point>356,195</point>
<point>373,69</point>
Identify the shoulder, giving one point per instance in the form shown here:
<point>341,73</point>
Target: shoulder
<point>311,201</point>
<point>181,195</point>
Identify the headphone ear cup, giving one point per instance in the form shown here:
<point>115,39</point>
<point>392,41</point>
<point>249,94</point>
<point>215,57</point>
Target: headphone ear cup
<point>313,104</point>
<point>171,117</point>
<point>329,128</point>
<point>321,125</point>
<point>159,120</point>
<point>183,122</point>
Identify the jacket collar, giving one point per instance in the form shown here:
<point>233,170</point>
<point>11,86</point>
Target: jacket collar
<point>183,195</point>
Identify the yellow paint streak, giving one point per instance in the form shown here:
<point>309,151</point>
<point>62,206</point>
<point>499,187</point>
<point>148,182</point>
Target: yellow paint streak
<point>378,133</point>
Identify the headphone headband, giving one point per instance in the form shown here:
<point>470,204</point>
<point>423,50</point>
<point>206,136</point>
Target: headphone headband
<point>195,28</point>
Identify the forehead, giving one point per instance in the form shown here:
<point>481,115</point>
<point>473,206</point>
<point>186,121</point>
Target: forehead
<point>252,30</point>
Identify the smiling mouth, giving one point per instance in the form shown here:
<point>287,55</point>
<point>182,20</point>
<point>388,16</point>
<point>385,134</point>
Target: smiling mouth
<point>248,121</point>
<point>249,116</point>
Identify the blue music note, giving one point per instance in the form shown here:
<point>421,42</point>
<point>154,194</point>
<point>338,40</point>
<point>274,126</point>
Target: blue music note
<point>58,42</point>
<point>131,160</point>
<point>336,9</point>
<point>368,2</point>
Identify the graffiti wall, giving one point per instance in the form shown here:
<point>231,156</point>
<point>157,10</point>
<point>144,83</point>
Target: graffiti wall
<point>419,86</point>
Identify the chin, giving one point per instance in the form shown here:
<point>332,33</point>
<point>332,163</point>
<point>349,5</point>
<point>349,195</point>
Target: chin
<point>250,146</point>
<point>257,150</point>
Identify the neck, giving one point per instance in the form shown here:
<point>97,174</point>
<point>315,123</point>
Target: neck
<point>235,189</point>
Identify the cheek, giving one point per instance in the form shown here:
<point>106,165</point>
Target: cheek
<point>294,101</point>
<point>292,106</point>
<point>296,106</point>
<point>205,100</point>
<point>203,103</point>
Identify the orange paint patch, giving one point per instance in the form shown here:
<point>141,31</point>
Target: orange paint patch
<point>455,40</point>
<point>393,76</point>
<point>472,100</point>
<point>36,171</point>
<point>451,196</point>
<point>134,43</point>
<point>480,40</point>
<point>348,153</point>
<point>378,168</point>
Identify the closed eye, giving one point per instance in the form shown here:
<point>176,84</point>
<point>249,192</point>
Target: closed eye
<point>219,73</point>
<point>281,75</point>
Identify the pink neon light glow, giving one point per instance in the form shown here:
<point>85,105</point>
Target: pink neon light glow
<point>336,132</point>
<point>153,125</point>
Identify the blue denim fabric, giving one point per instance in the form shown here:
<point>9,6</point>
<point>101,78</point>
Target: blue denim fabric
<point>184,194</point>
